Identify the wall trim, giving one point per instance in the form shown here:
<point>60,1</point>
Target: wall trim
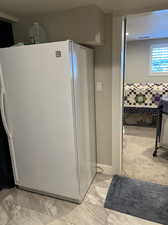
<point>104,169</point>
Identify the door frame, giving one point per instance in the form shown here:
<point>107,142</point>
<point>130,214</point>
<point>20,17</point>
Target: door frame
<point>118,73</point>
<point>118,69</point>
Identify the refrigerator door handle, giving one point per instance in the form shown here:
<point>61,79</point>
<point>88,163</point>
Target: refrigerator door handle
<point>3,114</point>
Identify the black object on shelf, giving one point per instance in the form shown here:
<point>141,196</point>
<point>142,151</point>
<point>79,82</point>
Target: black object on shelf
<point>6,34</point>
<point>6,173</point>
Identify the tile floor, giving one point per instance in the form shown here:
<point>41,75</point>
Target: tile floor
<point>19,207</point>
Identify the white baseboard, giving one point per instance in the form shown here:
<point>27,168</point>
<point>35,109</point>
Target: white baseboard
<point>104,169</point>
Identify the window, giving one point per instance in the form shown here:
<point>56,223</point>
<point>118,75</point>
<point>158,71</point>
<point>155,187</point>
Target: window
<point>159,60</point>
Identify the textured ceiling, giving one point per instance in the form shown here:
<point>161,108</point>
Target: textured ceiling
<point>28,7</point>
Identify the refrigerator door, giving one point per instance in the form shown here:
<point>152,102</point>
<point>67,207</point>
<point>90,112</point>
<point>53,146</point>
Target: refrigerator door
<point>83,71</point>
<point>38,80</point>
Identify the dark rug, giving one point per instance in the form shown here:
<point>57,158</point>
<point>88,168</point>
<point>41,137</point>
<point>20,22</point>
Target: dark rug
<point>138,198</point>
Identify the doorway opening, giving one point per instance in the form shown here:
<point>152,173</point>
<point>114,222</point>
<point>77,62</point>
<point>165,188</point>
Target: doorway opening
<point>145,85</point>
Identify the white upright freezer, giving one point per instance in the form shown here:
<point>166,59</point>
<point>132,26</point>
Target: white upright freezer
<point>47,107</point>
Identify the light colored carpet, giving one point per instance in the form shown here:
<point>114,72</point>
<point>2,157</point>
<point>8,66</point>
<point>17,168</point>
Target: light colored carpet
<point>138,162</point>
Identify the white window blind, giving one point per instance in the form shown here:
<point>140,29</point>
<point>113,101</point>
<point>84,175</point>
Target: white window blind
<point>159,59</point>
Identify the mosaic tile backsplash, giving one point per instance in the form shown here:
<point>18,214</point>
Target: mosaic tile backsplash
<point>144,95</point>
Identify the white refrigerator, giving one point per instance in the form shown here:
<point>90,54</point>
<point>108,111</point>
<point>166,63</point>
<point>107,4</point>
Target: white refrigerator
<point>47,107</point>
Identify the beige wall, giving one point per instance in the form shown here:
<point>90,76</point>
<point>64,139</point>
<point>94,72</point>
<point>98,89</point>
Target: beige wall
<point>21,28</point>
<point>138,61</point>
<point>83,24</point>
<point>103,66</point>
<point>103,74</point>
